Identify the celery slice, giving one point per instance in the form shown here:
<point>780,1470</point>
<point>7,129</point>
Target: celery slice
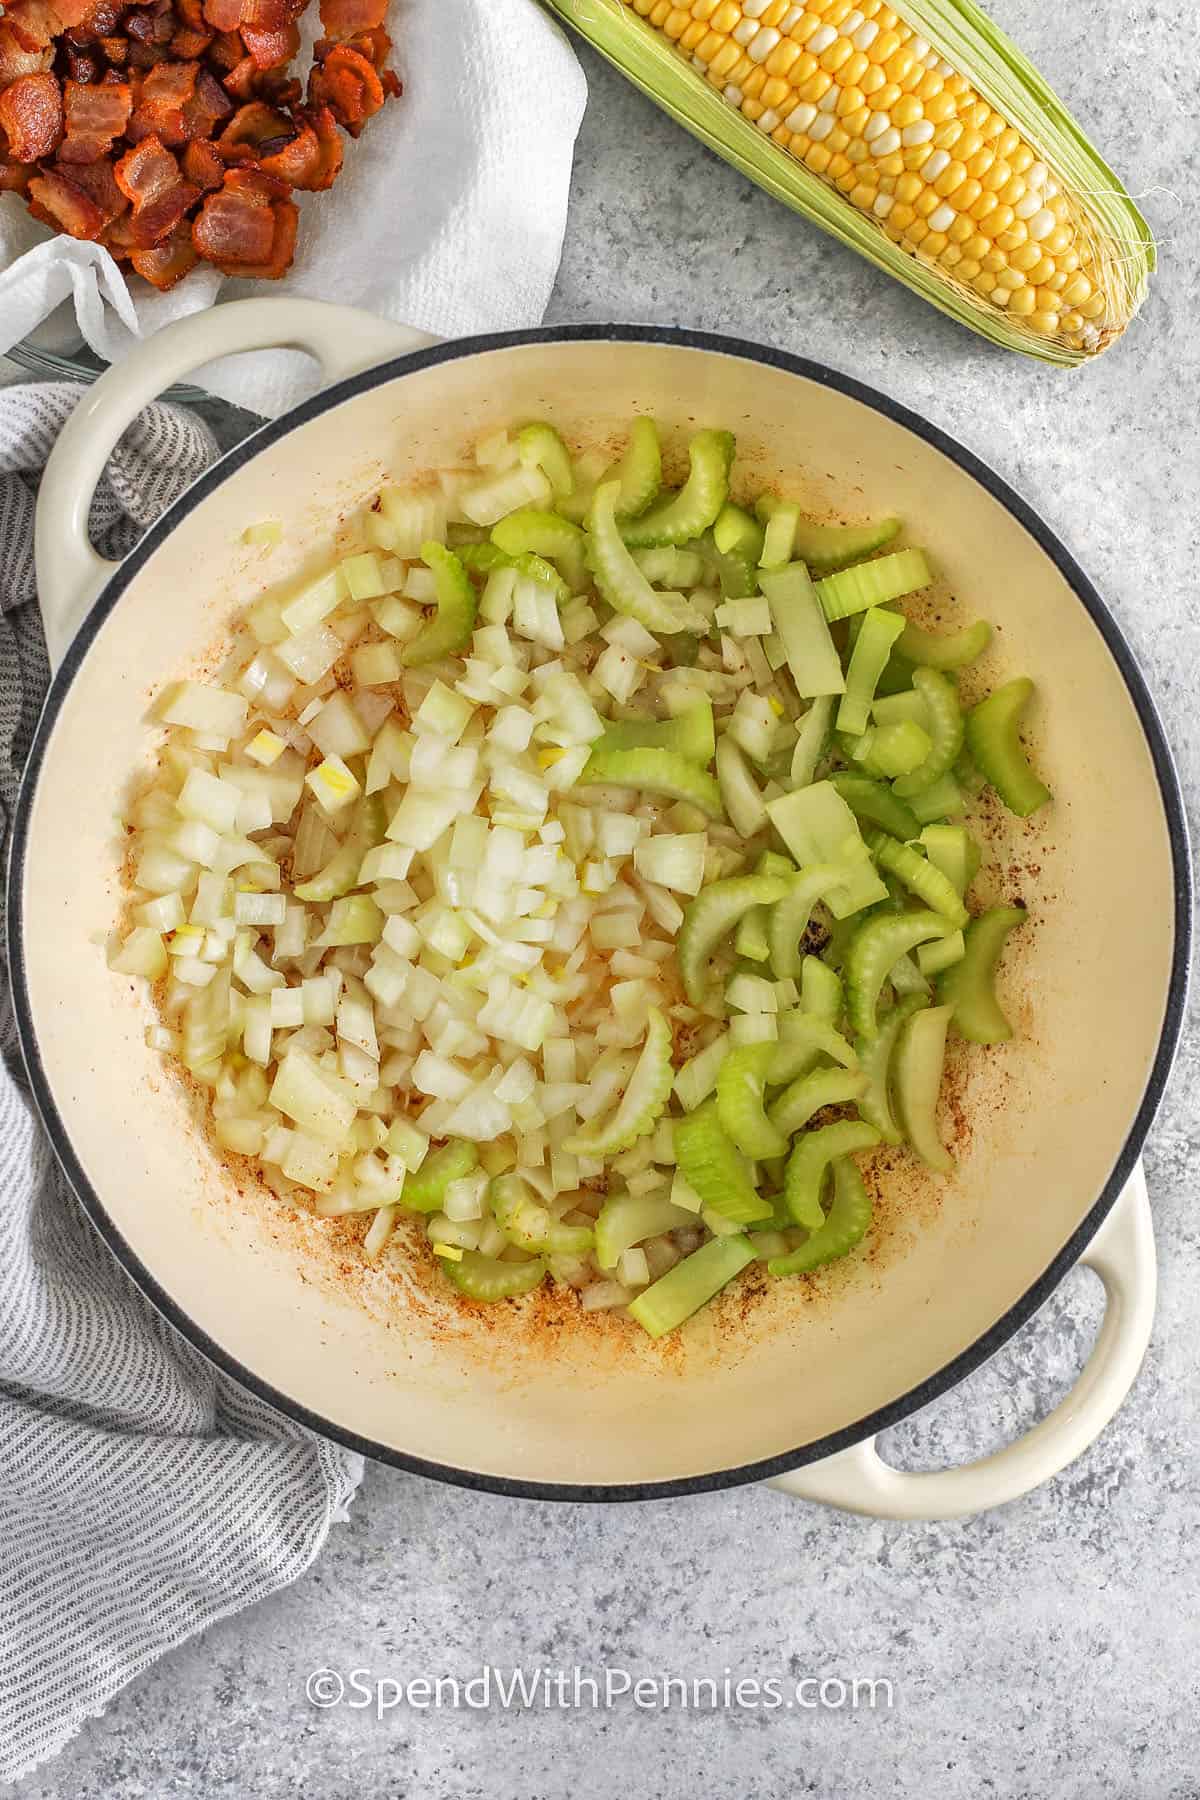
<point>969,986</point>
<point>711,1163</point>
<point>457,603</point>
<point>793,1109</point>
<point>531,532</point>
<point>540,447</point>
<point>873,583</point>
<point>818,827</point>
<point>690,512</point>
<point>486,1278</point>
<point>872,647</point>
<point>953,850</point>
<point>845,1224</point>
<point>993,738</point>
<point>809,1161</point>
<point>690,733</point>
<point>621,581</point>
<point>802,1039</point>
<point>828,547</point>
<point>628,1219</point>
<point>710,916</point>
<point>642,1102</point>
<point>796,609</point>
<point>945,727</point>
<point>875,1061</point>
<point>920,1054</point>
<point>920,876</point>
<point>640,469</point>
<point>945,649</point>
<point>653,771</point>
<point>741,1083</point>
<point>693,1282</point>
<point>425,1188</point>
<point>874,949</point>
<point>876,803</point>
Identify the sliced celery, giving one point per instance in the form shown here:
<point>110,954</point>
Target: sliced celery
<point>873,583</point>
<point>693,1282</point>
<point>796,609</point>
<point>690,512</point>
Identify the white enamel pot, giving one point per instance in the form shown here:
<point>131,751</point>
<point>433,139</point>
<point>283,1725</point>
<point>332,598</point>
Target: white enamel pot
<point>794,1387</point>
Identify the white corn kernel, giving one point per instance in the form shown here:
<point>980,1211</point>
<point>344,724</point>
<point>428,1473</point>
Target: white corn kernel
<point>821,127</point>
<point>763,44</point>
<point>918,133</point>
<point>1042,224</point>
<point>865,36</point>
<point>732,94</point>
<point>1036,175</point>
<point>1027,205</point>
<point>943,218</point>
<point>829,101</point>
<point>791,17</point>
<point>876,125</point>
<point>919,47</point>
<point>820,40</point>
<point>885,145</point>
<point>744,30</point>
<point>769,120</point>
<point>933,165</point>
<point>801,117</point>
<point>882,205</point>
<point>851,23</point>
<point>754,9</point>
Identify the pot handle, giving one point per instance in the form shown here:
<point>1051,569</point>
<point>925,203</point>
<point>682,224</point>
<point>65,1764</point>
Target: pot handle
<point>1122,1254</point>
<point>70,573</point>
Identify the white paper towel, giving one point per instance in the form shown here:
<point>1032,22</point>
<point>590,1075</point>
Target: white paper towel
<point>448,213</point>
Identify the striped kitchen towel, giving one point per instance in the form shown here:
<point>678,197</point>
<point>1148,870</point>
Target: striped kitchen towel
<point>142,1495</point>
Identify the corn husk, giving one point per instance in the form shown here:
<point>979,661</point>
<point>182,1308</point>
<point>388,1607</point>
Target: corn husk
<point>1120,237</point>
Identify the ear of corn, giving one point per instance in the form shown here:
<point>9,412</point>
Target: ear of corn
<point>923,140</point>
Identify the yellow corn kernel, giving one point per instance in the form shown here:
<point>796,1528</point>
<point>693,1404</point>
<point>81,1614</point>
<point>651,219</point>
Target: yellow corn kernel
<point>984,283</point>
<point>907,111</point>
<point>1023,302</point>
<point>1007,142</point>
<point>934,244</point>
<point>900,65</point>
<point>1012,239</point>
<point>951,177</point>
<point>1010,279</point>
<point>908,187</point>
<point>901,217</point>
<point>993,262</point>
<point>884,48</point>
<point>817,157</point>
<point>754,110</point>
<point>966,194</point>
<point>839,162</point>
<point>1077,290</point>
<point>967,269</point>
<point>723,61</point>
<point>872,81</point>
<point>1026,257</point>
<point>783,57</point>
<point>891,165</point>
<point>979,164</point>
<point>887,96</point>
<point>855,68</point>
<point>754,83</point>
<point>916,231</point>
<point>1072,322</point>
<point>694,36</point>
<point>926,203</point>
<point>1046,323</point>
<point>929,87</point>
<point>960,232</point>
<point>1060,239</point>
<point>1092,309</point>
<point>837,55</point>
<point>775,92</point>
<point>816,87</point>
<point>676,22</point>
<point>946,136</point>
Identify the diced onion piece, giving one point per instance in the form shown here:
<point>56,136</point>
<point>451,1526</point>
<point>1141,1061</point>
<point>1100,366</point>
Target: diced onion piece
<point>673,860</point>
<point>333,784</point>
<point>202,707</point>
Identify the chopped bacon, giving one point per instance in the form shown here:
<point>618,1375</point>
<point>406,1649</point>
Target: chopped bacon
<point>313,159</point>
<point>223,15</point>
<point>342,20</point>
<point>208,105</point>
<point>148,175</point>
<point>19,58</point>
<point>173,130</point>
<point>202,166</point>
<point>84,66</point>
<point>14,176</point>
<point>254,124</point>
<point>98,182</point>
<point>227,50</point>
<point>240,81</point>
<point>160,107</point>
<point>95,114</point>
<point>188,45</point>
<point>60,202</point>
<point>34,23</point>
<point>346,82</point>
<point>31,115</point>
<point>271,48</point>
<point>168,262</point>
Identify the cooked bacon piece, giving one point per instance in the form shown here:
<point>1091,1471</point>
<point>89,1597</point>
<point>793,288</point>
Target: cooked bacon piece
<point>255,124</point>
<point>159,110</point>
<point>313,159</point>
<point>98,182</point>
<point>346,82</point>
<point>60,202</point>
<point>188,45</point>
<point>149,177</point>
<point>223,15</point>
<point>209,104</point>
<point>271,15</point>
<point>84,66</point>
<point>31,116</point>
<point>270,49</point>
<point>116,50</point>
<point>102,19</point>
<point>169,261</point>
<point>226,50</point>
<point>94,114</point>
<point>342,20</point>
<point>203,167</point>
<point>242,80</point>
<point>71,13</point>
<point>34,23</point>
<point>375,45</point>
<point>14,176</point>
<point>249,228</point>
<point>151,24</point>
<point>279,89</point>
<point>19,58</point>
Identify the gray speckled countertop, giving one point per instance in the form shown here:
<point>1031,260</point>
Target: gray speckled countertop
<point>1050,1649</point>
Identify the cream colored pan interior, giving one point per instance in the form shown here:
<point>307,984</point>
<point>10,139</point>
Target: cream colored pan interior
<point>523,1393</point>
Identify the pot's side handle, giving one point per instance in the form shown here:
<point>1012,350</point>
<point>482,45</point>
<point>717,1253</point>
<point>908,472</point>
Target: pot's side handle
<point>69,572</point>
<point>1122,1254</point>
